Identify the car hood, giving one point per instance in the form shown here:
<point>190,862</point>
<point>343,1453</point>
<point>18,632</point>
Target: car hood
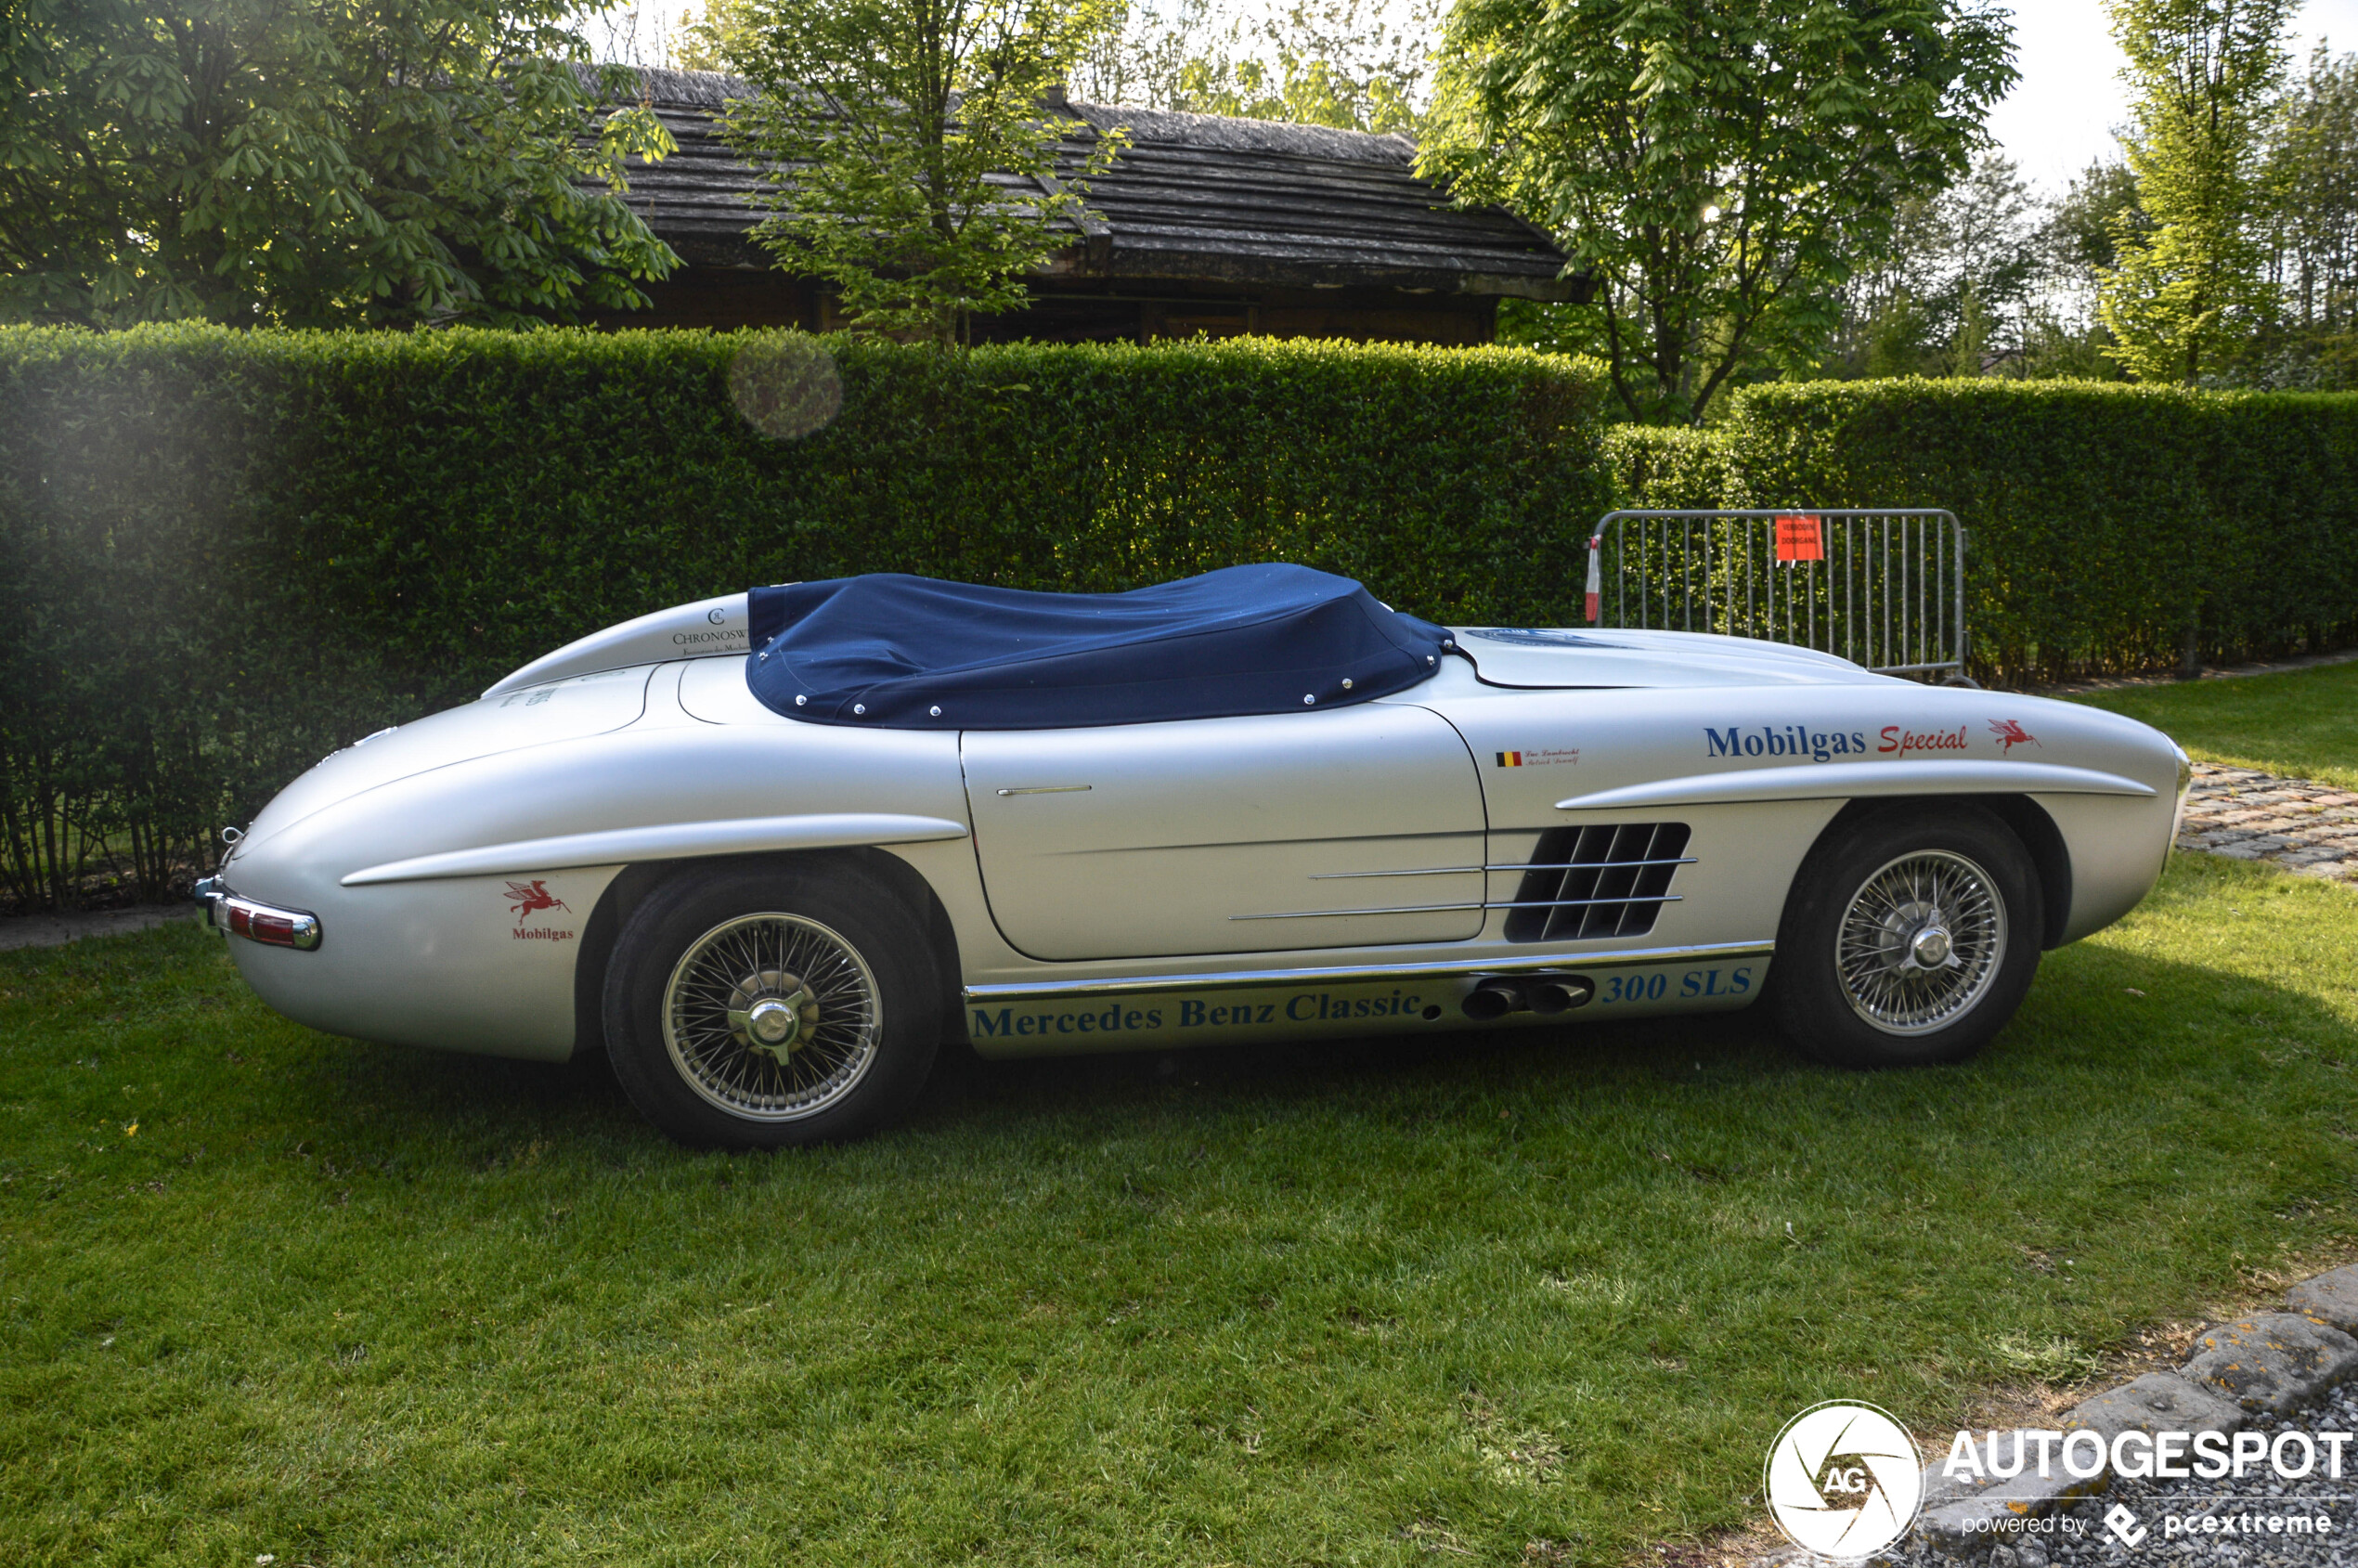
<point>560,710</point>
<point>1539,656</point>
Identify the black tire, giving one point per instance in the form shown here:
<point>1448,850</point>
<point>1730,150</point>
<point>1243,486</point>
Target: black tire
<point>773,1005</point>
<point>1850,985</point>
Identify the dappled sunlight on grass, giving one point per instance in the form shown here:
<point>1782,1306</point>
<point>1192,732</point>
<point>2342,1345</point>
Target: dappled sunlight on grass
<point>2302,722</point>
<point>339,1302</point>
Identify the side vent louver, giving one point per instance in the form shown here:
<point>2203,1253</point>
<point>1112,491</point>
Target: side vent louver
<point>1600,881</point>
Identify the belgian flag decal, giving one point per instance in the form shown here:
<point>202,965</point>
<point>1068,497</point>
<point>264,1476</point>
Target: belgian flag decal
<point>1511,759</point>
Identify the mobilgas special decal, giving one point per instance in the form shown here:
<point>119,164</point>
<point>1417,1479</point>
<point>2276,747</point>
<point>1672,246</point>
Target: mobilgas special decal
<point>528,898</point>
<point>1824,746</point>
<point>2011,735</point>
<point>1784,740</point>
<point>1906,743</point>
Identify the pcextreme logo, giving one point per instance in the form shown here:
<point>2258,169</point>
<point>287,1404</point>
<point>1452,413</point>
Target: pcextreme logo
<point>1844,1480</point>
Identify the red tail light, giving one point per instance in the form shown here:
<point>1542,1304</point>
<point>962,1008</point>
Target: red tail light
<point>273,927</point>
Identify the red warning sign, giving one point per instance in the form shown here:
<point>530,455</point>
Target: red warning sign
<point>1800,538</point>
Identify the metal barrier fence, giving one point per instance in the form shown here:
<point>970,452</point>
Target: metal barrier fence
<point>1883,588</point>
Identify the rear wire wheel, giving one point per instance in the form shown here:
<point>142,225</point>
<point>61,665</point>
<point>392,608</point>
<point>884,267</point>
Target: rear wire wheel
<point>772,1017</point>
<point>1909,937</point>
<point>771,1005</point>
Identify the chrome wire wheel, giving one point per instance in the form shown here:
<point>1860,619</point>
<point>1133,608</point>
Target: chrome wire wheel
<point>1921,942</point>
<point>771,1018</point>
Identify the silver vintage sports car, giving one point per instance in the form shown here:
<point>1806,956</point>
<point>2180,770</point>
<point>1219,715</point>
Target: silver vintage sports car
<point>769,850</point>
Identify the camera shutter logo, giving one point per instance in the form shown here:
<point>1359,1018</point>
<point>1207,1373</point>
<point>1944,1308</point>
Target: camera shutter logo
<point>1844,1480</point>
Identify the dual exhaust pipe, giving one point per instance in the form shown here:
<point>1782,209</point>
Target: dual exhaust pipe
<point>1543,994</point>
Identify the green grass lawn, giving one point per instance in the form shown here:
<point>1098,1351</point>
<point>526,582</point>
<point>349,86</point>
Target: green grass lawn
<point>349,1303</point>
<point>2303,723</point>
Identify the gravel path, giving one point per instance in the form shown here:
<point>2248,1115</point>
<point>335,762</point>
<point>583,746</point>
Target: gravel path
<point>2297,824</point>
<point>56,930</point>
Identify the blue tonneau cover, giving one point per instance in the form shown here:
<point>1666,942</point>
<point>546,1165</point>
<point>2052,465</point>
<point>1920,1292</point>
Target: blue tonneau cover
<point>913,654</point>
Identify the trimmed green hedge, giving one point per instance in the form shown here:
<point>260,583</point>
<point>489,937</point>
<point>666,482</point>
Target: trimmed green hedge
<point>223,554</point>
<point>2107,524</point>
<point>1671,469</point>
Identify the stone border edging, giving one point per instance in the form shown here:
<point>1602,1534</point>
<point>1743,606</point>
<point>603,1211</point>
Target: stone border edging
<point>2267,1363</point>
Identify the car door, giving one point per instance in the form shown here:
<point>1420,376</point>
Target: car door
<point>1353,826</point>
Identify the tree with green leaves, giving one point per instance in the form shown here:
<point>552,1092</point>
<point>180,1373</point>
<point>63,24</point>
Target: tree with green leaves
<point>2187,292</point>
<point>1953,293</point>
<point>2310,228</point>
<point>311,164</point>
<point>1351,64</point>
<point>1718,166</point>
<point>911,150</point>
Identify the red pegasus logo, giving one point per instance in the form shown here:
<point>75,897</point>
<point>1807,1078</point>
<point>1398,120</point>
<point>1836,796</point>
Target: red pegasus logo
<point>2011,734</point>
<point>530,898</point>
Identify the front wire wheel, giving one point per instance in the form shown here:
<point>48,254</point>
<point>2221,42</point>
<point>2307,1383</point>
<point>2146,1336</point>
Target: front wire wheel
<point>1921,942</point>
<point>1910,937</point>
<point>772,1017</point>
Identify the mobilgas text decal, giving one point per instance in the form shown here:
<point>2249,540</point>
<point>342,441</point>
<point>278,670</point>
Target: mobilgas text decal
<point>529,898</point>
<point>1784,740</point>
<point>1824,746</point>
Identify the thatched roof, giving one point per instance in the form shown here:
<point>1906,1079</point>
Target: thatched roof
<point>1195,197</point>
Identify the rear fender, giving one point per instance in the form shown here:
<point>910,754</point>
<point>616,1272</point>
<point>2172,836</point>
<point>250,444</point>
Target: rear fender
<point>632,886</point>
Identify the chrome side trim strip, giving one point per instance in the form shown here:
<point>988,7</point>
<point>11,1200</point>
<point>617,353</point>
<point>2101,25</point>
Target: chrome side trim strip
<point>1444,909</point>
<point>666,841</point>
<point>1592,865</point>
<point>1833,780</point>
<point>1467,871</point>
<point>1583,904</point>
<point>1395,908</point>
<point>1048,789</point>
<point>1224,980</point>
